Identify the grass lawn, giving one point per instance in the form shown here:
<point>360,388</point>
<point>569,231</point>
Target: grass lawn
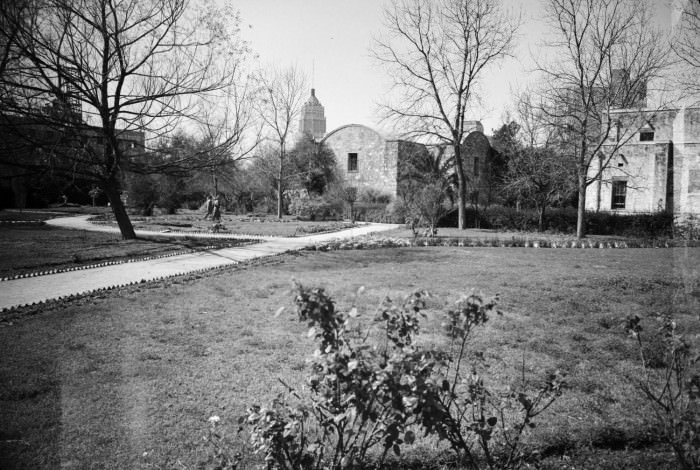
<point>189,220</point>
<point>30,248</point>
<point>128,379</point>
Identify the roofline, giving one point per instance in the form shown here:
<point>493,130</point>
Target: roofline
<point>353,125</point>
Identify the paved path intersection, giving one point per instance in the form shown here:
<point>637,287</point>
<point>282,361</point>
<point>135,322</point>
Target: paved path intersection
<point>26,291</point>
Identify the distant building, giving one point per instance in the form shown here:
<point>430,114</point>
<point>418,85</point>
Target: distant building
<point>32,149</point>
<point>313,118</point>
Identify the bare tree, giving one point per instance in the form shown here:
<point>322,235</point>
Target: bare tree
<point>540,176</point>
<point>605,57</point>
<point>686,45</point>
<point>279,105</point>
<point>230,134</point>
<point>437,52</point>
<point>100,72</point>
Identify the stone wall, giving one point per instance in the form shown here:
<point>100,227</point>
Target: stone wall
<point>661,174</point>
<point>376,157</point>
<point>644,166</point>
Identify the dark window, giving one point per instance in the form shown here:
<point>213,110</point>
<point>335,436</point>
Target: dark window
<point>646,136</point>
<point>352,162</point>
<point>619,194</point>
<point>476,166</point>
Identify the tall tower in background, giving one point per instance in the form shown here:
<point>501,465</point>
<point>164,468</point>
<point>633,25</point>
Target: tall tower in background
<point>313,118</point>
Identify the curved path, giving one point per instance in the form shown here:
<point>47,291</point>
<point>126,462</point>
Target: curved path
<point>20,292</point>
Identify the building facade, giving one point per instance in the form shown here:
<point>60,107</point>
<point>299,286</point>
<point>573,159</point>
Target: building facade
<point>366,159</point>
<point>657,169</point>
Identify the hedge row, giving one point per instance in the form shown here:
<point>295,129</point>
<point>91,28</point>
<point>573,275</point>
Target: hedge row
<point>655,225</point>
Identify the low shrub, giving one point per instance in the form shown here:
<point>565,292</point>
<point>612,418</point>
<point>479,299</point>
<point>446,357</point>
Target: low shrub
<point>687,228</point>
<point>334,227</point>
<point>377,213</point>
<point>316,208</point>
<point>652,225</point>
<point>473,219</point>
<point>372,390</point>
<point>374,196</point>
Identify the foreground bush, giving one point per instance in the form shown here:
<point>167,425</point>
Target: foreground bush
<point>672,387</point>
<point>371,390</point>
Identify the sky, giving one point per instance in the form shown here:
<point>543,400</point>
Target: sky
<point>330,41</point>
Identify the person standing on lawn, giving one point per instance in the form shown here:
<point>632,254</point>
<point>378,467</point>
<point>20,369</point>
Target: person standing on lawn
<point>208,206</point>
<point>216,214</point>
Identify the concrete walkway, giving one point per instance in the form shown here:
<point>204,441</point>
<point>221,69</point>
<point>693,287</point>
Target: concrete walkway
<point>27,291</point>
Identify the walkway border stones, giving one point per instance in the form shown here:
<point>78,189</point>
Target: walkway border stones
<point>112,263</point>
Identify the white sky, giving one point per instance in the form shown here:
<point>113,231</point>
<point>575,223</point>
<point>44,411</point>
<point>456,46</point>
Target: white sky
<point>335,36</point>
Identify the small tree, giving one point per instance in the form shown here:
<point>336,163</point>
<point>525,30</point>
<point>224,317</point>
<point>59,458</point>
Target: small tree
<point>540,176</point>
<point>94,194</point>
<point>279,104</point>
<point>314,165</point>
<point>424,206</point>
<point>350,195</point>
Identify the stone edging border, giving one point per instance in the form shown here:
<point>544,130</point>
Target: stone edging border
<point>112,263</point>
<point>38,222</point>
<point>87,293</point>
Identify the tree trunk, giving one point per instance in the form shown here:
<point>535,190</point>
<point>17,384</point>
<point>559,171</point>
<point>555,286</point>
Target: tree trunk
<point>279,190</point>
<point>119,211</point>
<point>540,222</point>
<point>461,190</point>
<point>581,214</point>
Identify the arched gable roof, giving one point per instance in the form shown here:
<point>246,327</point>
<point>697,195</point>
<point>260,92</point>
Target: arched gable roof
<point>476,136</point>
<point>334,131</point>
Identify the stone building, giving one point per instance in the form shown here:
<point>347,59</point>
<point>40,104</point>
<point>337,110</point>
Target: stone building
<point>369,159</point>
<point>658,169</point>
<point>366,159</point>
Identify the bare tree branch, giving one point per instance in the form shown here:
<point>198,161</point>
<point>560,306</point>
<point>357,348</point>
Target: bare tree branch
<point>436,53</point>
<point>606,57</point>
<point>99,71</point>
